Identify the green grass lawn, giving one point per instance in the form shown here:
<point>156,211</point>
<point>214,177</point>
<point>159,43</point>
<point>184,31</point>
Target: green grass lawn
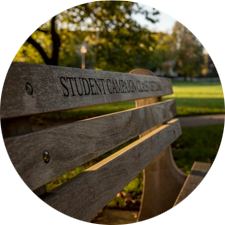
<point>197,144</point>
<point>194,98</point>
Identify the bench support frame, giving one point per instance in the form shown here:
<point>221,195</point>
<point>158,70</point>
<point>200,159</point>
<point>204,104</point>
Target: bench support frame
<point>162,180</point>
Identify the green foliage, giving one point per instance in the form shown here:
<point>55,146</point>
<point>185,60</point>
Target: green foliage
<point>181,52</point>
<point>188,52</point>
<point>114,39</point>
<point>120,50</point>
<point>162,51</point>
<point>136,185</point>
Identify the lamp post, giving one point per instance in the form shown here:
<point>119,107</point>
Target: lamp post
<point>83,51</point>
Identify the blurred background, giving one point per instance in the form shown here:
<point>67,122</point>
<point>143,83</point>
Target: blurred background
<point>120,36</point>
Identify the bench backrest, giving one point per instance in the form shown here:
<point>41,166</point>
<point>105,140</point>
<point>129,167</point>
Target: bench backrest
<point>41,155</point>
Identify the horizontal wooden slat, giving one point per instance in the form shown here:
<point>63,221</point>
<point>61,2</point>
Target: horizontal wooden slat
<point>74,144</point>
<point>213,209</point>
<point>60,88</point>
<point>94,188</point>
<point>188,204</point>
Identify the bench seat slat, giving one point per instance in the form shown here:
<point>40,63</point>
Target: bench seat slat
<point>188,204</point>
<point>86,194</point>
<point>59,88</point>
<point>74,144</point>
<point>213,211</point>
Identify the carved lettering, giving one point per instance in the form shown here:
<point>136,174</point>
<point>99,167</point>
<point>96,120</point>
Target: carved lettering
<point>86,86</point>
<point>116,87</point>
<point>121,86</point>
<point>64,86</point>
<point>102,83</point>
<point>132,86</point>
<point>97,87</point>
<point>71,85</point>
<point>80,86</point>
<point>92,85</point>
<point>109,86</point>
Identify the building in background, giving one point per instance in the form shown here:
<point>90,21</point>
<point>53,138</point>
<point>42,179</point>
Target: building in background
<point>167,69</point>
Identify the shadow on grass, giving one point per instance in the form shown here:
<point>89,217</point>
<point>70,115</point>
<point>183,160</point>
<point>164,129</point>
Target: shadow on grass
<point>197,144</point>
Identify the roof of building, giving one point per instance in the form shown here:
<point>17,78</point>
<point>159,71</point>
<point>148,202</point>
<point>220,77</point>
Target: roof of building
<point>221,41</point>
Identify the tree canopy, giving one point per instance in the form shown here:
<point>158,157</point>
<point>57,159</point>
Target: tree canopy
<point>162,51</point>
<point>115,40</point>
<point>188,51</point>
<point>180,51</point>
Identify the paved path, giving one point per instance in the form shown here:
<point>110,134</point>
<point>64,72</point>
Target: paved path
<point>205,120</point>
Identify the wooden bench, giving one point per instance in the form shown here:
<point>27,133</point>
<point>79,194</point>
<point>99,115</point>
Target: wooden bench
<point>43,153</point>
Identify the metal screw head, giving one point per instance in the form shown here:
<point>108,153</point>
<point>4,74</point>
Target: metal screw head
<point>46,156</point>
<point>59,220</point>
<point>29,89</point>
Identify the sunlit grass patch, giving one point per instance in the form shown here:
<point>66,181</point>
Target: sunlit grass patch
<point>198,98</point>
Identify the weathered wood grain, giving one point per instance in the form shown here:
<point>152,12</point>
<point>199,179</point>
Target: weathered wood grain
<point>10,128</point>
<point>213,211</point>
<point>90,191</point>
<point>16,126</point>
<point>162,180</point>
<point>73,144</point>
<point>60,88</point>
<point>188,204</point>
<point>146,101</point>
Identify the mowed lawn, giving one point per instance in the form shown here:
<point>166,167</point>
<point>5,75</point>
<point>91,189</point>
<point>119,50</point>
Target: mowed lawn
<point>195,98</point>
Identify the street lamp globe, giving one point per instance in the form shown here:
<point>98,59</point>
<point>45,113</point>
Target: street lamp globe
<point>83,51</point>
